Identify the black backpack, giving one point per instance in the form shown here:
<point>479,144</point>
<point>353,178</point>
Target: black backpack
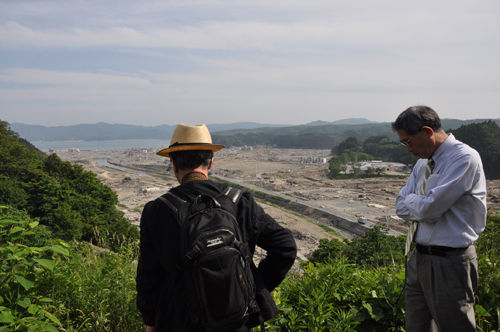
<point>215,260</point>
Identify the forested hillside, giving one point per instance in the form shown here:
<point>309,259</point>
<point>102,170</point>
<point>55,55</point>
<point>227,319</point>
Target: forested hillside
<point>323,136</point>
<point>484,137</point>
<point>301,137</point>
<point>73,203</point>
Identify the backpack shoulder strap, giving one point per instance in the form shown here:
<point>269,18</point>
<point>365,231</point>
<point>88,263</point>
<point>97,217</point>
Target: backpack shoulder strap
<point>176,204</point>
<point>233,194</point>
<point>229,200</point>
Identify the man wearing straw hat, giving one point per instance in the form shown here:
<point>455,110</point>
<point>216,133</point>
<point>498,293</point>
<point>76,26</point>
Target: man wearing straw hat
<point>162,305</point>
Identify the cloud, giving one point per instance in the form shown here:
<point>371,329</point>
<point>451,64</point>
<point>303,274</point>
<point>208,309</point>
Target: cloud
<point>359,27</point>
<point>238,91</point>
<point>245,60</point>
<point>66,79</point>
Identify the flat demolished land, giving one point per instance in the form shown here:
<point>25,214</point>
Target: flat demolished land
<point>139,175</point>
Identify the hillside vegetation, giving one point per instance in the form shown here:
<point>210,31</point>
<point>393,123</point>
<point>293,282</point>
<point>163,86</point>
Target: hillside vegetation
<point>52,285</point>
<point>72,202</point>
<point>323,136</point>
<point>484,137</point>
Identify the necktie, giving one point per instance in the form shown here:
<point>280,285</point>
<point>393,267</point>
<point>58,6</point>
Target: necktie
<point>421,191</point>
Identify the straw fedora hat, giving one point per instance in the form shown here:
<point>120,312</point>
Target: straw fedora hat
<point>187,138</point>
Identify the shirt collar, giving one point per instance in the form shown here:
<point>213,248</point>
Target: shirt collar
<point>194,176</point>
<point>440,152</point>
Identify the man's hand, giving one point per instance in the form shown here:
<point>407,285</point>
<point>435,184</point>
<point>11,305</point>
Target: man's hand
<point>150,328</point>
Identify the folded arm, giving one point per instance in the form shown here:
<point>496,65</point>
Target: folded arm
<point>409,188</point>
<point>454,182</point>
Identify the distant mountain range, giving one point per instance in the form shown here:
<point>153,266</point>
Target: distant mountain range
<point>350,121</point>
<point>112,131</point>
<point>317,134</point>
<point>108,131</point>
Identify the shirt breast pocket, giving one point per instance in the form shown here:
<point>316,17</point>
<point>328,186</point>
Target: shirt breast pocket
<point>432,182</point>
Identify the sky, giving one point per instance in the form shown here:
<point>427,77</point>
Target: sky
<point>282,62</point>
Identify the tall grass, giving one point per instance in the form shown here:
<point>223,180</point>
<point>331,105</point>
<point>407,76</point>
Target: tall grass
<point>94,290</point>
<point>50,285</point>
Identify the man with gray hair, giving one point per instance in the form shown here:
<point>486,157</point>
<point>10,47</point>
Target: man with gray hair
<point>445,200</point>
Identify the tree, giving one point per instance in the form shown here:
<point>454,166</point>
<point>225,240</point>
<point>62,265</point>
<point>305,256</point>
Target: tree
<point>375,248</point>
<point>350,144</point>
<point>383,148</point>
<point>11,192</point>
<point>335,167</point>
<point>327,250</point>
<point>485,138</point>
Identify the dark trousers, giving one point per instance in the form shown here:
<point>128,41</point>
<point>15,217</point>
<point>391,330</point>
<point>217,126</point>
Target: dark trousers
<point>440,291</point>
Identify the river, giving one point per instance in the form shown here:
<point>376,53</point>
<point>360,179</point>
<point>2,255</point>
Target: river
<point>122,144</point>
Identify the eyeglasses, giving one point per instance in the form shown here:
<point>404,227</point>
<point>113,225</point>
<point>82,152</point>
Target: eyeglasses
<point>406,142</point>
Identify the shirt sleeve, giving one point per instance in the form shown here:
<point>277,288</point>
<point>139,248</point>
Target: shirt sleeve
<point>456,180</point>
<point>149,273</point>
<point>279,244</point>
<point>409,188</point>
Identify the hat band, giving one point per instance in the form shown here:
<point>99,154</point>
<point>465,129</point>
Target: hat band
<point>179,144</point>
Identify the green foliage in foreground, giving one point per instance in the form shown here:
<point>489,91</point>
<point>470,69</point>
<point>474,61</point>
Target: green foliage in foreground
<point>347,286</point>
<point>374,249</point>
<point>47,285</point>
<point>95,290</point>
<point>24,266</point>
<point>341,296</point>
<point>488,292</point>
<point>355,286</point>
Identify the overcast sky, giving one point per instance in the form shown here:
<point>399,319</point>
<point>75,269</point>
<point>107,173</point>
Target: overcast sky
<point>285,61</point>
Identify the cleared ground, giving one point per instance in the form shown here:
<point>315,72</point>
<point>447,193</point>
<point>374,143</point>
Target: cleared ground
<point>293,172</point>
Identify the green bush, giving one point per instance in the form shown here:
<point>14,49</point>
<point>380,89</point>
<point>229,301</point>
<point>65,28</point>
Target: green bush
<point>355,286</point>
<point>94,289</point>
<point>22,307</point>
<point>340,296</point>
<point>49,285</point>
<point>374,248</point>
<point>327,251</point>
<point>488,294</point>
<point>11,193</point>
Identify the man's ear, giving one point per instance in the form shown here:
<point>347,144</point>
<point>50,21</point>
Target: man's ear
<point>173,165</point>
<point>428,130</point>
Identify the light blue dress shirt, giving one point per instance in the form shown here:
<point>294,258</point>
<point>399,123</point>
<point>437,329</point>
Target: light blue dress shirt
<point>453,210</point>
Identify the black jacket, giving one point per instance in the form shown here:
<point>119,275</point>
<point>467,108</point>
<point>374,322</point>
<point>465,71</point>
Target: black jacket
<point>157,274</point>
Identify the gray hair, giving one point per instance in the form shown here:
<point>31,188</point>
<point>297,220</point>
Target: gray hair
<point>414,118</point>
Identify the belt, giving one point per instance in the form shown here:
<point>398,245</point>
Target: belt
<point>438,250</point>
